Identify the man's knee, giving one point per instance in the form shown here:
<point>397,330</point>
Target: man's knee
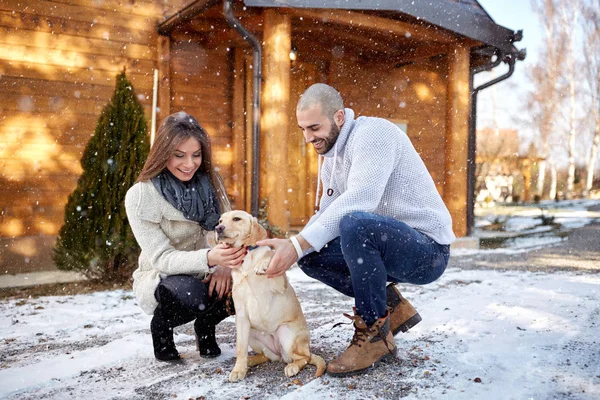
<point>314,265</point>
<point>352,220</point>
<point>307,265</point>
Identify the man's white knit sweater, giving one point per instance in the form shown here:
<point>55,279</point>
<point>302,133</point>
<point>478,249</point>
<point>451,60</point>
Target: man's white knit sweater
<point>373,167</point>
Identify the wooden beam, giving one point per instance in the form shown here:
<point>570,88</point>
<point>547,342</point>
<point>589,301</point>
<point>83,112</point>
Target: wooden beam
<point>277,44</point>
<point>366,21</point>
<point>253,23</point>
<point>164,78</point>
<point>457,134</point>
<point>422,52</point>
<point>223,40</point>
<point>360,39</point>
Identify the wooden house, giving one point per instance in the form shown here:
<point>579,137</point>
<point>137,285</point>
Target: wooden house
<point>500,159</point>
<point>411,62</point>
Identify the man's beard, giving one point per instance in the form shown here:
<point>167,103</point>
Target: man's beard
<point>331,138</point>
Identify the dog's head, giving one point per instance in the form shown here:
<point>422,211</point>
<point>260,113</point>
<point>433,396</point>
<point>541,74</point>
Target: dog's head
<point>238,228</point>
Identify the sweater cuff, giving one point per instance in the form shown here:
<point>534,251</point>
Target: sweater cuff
<point>203,262</point>
<point>316,235</point>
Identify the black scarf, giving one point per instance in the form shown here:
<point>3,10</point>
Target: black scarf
<point>196,199</point>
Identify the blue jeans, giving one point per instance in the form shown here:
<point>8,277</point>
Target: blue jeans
<point>371,251</point>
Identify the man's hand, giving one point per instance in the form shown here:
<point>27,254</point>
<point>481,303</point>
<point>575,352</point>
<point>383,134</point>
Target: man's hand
<point>285,256</point>
<point>219,282</point>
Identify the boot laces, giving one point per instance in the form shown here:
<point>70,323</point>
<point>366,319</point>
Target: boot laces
<point>361,335</point>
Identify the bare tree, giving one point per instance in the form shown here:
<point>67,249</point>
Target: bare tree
<point>569,15</point>
<point>553,180</point>
<point>544,99</point>
<point>591,28</point>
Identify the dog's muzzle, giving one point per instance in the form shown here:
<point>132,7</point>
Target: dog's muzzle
<point>220,230</point>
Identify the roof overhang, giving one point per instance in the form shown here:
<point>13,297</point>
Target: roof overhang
<point>453,16</point>
<point>186,13</point>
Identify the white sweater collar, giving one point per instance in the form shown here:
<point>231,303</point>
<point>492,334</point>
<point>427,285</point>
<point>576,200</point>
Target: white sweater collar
<point>333,152</point>
<point>344,133</point>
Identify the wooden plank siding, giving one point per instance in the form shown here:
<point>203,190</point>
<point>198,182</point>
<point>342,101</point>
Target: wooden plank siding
<point>201,85</point>
<point>58,63</point>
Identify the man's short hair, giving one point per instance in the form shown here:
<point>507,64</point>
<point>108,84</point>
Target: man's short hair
<point>324,95</point>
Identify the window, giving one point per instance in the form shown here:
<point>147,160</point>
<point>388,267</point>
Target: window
<point>401,124</point>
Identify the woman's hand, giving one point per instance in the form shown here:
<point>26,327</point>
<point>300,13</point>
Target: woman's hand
<point>226,256</point>
<point>219,281</point>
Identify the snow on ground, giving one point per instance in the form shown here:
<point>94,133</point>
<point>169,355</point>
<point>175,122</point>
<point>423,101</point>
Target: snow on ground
<point>520,219</point>
<point>521,228</point>
<point>484,334</point>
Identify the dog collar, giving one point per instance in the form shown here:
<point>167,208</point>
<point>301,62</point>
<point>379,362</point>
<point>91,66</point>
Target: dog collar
<point>250,248</point>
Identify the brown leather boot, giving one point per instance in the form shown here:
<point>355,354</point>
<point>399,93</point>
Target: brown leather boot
<point>368,346</point>
<point>403,315</point>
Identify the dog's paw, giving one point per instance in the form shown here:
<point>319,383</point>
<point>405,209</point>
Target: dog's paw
<point>261,268</point>
<point>291,369</point>
<point>237,375</point>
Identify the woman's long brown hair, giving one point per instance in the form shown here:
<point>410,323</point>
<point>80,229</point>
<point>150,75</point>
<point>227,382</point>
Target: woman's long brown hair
<point>175,129</point>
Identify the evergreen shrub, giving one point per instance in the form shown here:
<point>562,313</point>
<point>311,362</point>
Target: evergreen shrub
<point>96,238</point>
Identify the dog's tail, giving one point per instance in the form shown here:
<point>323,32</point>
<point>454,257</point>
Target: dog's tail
<point>318,362</point>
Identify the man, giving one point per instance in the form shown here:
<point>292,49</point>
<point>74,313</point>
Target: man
<point>380,219</point>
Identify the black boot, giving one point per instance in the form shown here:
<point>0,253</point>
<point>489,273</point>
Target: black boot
<point>162,339</point>
<point>206,342</point>
<point>205,325</point>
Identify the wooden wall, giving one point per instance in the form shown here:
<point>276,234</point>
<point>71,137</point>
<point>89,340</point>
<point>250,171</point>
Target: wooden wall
<point>414,93</point>
<point>201,85</point>
<point>58,62</point>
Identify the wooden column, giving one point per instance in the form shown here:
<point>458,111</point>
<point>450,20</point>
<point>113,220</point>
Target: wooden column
<point>164,78</point>
<point>239,130</point>
<point>457,134</point>
<point>274,118</point>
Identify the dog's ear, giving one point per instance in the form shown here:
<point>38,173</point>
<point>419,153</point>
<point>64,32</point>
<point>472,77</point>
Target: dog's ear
<point>258,232</point>
<point>211,238</point>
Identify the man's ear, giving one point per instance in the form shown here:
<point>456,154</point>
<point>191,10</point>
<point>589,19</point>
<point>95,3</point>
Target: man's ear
<point>339,117</point>
<point>258,232</point>
<point>212,239</point>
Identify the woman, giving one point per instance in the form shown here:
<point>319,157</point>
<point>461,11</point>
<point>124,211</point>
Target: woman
<point>175,203</point>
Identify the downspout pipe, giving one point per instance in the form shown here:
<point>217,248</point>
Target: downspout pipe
<point>510,59</point>
<point>257,75</point>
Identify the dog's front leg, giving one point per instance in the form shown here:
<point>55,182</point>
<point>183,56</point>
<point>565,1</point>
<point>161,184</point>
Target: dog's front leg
<point>261,267</point>
<point>242,327</point>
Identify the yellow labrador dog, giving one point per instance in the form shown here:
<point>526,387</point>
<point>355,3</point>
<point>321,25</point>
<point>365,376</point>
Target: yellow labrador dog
<point>268,316</point>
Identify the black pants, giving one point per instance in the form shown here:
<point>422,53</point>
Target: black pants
<point>183,298</point>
